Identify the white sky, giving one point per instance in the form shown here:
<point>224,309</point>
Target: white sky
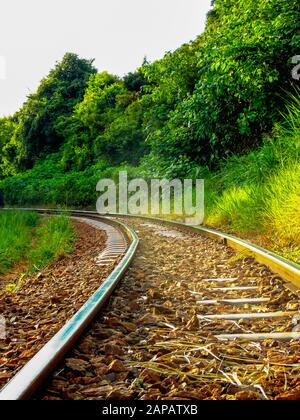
<point>34,34</point>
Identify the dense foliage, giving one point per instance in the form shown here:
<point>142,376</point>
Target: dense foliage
<point>258,194</point>
<point>35,130</point>
<point>210,99</point>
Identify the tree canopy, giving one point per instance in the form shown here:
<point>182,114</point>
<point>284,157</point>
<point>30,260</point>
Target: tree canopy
<point>211,98</point>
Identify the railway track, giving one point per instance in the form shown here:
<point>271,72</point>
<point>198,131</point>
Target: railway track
<point>121,243</point>
<point>192,319</point>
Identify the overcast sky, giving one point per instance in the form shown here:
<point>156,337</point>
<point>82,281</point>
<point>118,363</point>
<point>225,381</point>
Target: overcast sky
<point>34,34</point>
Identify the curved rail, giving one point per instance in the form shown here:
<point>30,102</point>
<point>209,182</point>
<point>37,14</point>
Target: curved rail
<point>289,271</point>
<point>37,369</point>
<point>32,375</point>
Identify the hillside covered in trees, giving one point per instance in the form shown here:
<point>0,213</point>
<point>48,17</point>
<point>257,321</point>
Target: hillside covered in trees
<point>223,107</point>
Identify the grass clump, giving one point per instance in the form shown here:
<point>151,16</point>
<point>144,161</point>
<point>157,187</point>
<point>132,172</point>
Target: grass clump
<point>16,233</point>
<point>260,192</point>
<point>34,241</point>
<point>54,239</point>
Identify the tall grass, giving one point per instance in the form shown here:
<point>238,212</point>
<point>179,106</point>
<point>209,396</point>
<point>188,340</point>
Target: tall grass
<point>36,241</point>
<point>260,192</point>
<point>54,239</point>
<point>281,214</point>
<point>16,232</point>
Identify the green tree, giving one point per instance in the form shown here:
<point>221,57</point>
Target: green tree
<point>55,98</point>
<point>243,72</point>
<point>11,151</point>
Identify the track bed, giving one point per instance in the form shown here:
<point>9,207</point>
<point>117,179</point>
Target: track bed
<point>160,338</point>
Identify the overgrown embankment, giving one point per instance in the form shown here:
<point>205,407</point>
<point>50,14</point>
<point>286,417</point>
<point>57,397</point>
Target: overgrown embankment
<point>258,195</point>
<point>32,241</point>
<point>211,109</point>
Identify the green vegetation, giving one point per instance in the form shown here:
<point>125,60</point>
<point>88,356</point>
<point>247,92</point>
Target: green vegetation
<point>26,237</point>
<point>260,192</point>
<point>54,239</point>
<point>16,229</point>
<point>213,108</point>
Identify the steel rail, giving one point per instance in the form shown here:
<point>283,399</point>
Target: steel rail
<point>33,374</point>
<point>290,273</point>
<point>288,270</point>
